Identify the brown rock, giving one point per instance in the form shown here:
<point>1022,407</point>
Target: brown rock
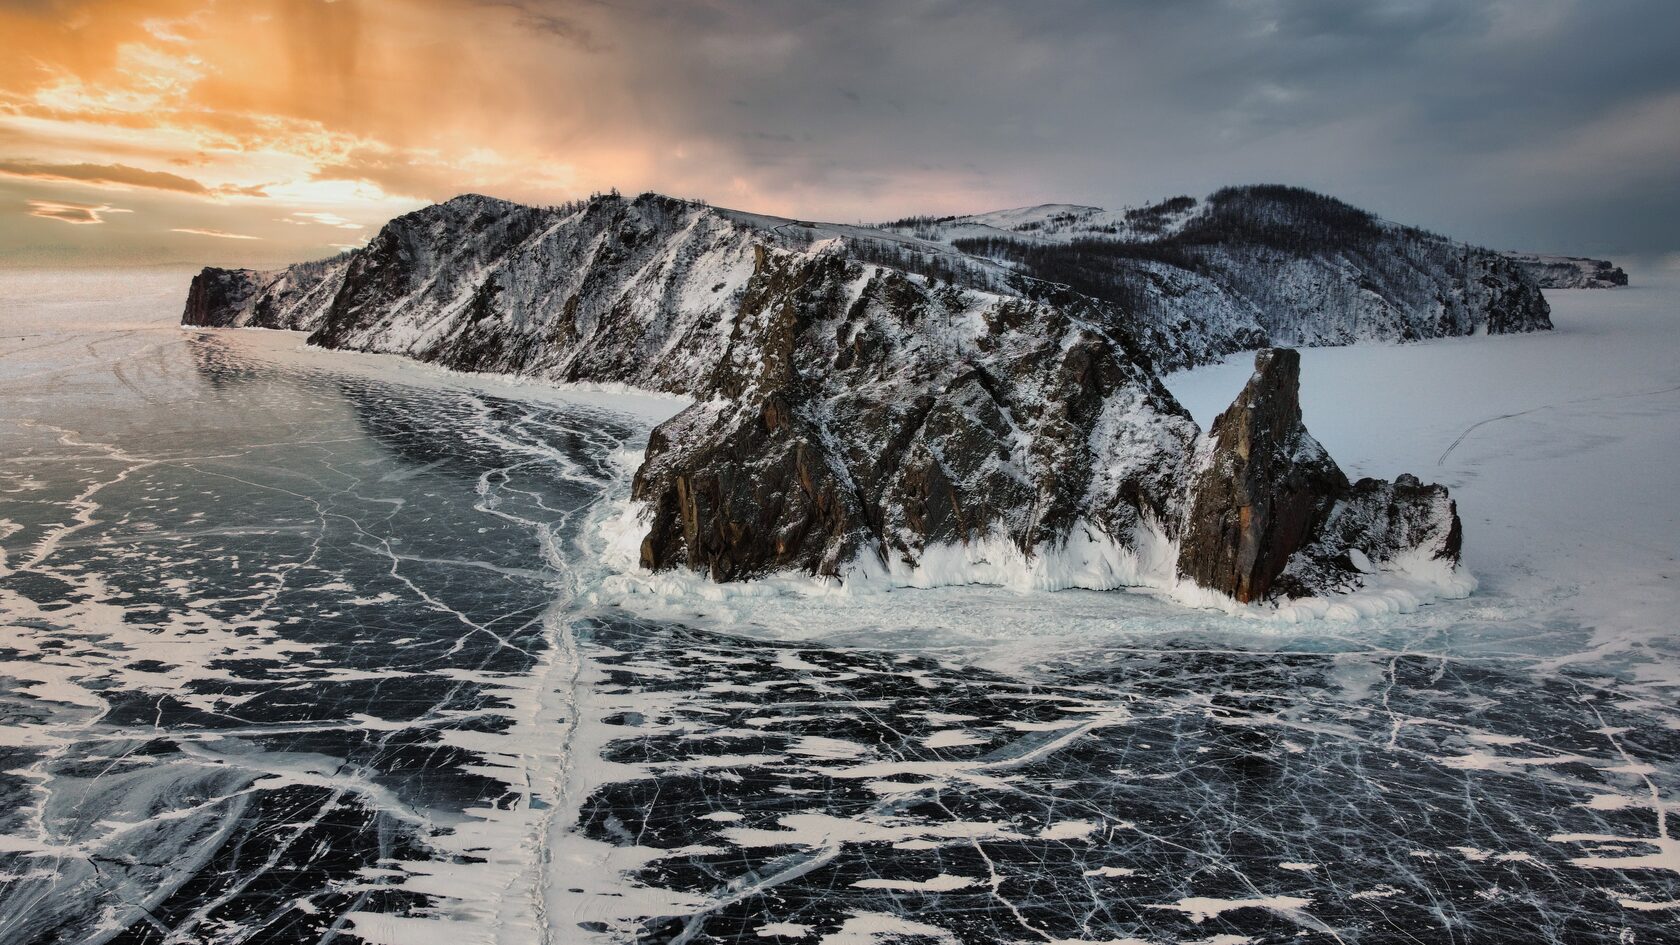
<point>1263,490</point>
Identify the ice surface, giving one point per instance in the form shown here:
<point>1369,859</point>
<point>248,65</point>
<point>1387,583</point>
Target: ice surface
<point>307,646</point>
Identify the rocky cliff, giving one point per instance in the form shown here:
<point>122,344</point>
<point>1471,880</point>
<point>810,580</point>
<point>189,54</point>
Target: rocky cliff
<point>243,298</point>
<point>865,414</point>
<point>1264,486</point>
<point>869,402</point>
<point>1569,272</point>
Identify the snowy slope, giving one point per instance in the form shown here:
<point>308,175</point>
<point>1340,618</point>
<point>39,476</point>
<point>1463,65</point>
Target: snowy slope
<point>1250,266</point>
<point>1056,223</point>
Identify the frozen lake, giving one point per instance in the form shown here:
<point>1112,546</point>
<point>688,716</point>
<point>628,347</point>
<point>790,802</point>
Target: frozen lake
<point>299,646</point>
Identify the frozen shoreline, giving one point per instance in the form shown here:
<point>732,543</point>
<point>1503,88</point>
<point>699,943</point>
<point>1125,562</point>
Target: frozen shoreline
<point>1558,448</point>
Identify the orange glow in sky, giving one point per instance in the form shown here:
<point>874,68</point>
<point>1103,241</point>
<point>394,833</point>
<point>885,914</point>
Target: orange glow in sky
<point>153,130</point>
<point>296,123</point>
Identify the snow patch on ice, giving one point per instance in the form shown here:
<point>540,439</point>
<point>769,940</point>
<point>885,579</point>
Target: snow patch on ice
<point>952,738</point>
<point>944,882</point>
<point>868,928</point>
<point>1201,908</point>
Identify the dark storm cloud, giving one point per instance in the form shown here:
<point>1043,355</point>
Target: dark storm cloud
<point>549,18</point>
<point>1510,122</point>
<point>1535,124</point>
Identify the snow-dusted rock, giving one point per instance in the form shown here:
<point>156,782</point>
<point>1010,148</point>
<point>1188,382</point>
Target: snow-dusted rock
<point>1569,272</point>
<point>292,298</point>
<point>868,401</point>
<point>863,414</point>
<point>1405,526</point>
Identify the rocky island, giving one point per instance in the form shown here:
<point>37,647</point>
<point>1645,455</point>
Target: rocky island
<point>1570,272</point>
<point>941,400</point>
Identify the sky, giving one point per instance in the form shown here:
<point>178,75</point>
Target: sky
<point>258,132</point>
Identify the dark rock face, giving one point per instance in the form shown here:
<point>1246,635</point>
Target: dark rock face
<point>753,487</point>
<point>1569,272</point>
<point>856,429</point>
<point>760,495</point>
<point>1266,487</point>
<point>1270,513</point>
<point>1508,295</point>
<point>1370,526</point>
<point>246,298</point>
<point>214,294</point>
<point>853,414</point>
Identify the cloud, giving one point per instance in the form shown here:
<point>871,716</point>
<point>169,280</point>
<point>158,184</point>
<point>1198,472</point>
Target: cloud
<point>542,18</point>
<point>218,234</point>
<point>76,213</point>
<point>106,175</point>
<point>321,218</point>
<point>1513,122</point>
<point>120,176</point>
<point>435,176</point>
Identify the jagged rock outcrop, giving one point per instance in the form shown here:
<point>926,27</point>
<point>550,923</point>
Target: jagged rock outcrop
<point>1569,272</point>
<point>246,298</point>
<point>850,413</point>
<point>1264,488</point>
<point>1270,514</point>
<point>1373,526</point>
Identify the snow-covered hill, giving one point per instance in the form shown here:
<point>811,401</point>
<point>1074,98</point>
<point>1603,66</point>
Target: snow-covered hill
<point>881,402</point>
<point>1251,266</point>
